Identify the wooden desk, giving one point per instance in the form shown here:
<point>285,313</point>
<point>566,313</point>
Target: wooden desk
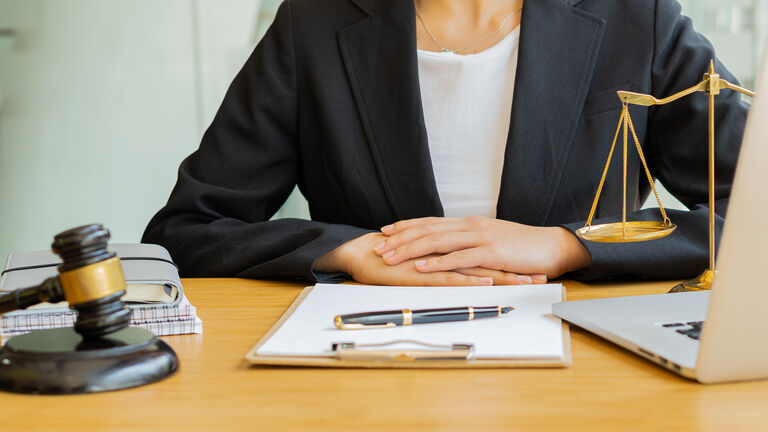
<point>606,388</point>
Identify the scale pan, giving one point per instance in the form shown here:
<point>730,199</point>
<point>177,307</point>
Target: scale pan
<point>618,232</point>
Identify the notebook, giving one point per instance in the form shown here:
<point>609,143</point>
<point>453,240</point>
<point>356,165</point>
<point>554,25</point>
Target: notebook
<point>154,292</point>
<point>528,336</point>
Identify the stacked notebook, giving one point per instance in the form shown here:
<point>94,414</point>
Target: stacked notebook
<point>153,292</point>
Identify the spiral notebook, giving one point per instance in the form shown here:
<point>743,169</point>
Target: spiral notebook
<point>529,336</point>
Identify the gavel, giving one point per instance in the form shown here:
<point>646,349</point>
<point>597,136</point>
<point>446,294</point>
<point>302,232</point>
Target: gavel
<point>102,352</point>
<point>90,279</point>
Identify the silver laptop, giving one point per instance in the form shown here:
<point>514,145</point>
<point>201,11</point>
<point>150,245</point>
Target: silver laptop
<point>712,336</point>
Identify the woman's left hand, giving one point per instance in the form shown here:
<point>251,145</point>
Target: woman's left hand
<point>483,242</point>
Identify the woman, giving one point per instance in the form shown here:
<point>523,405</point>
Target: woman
<point>362,105</point>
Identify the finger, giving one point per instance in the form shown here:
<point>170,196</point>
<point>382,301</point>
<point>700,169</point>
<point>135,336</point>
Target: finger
<point>408,235</point>
<point>409,223</point>
<point>453,279</point>
<point>437,243</point>
<point>465,258</point>
<point>499,277</point>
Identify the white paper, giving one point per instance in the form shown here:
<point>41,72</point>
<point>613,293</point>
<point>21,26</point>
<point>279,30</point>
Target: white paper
<point>528,332</point>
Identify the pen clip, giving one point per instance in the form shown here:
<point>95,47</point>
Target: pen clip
<point>356,326</point>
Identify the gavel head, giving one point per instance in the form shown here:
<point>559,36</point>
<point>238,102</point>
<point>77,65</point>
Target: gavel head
<point>92,280</point>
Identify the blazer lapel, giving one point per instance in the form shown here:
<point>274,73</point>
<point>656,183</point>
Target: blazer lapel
<point>559,46</point>
<point>380,57</point>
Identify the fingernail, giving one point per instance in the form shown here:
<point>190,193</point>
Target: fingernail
<point>387,228</point>
<point>487,281</point>
<point>419,263</point>
<point>540,279</point>
<point>380,245</point>
<point>525,280</point>
<point>388,254</point>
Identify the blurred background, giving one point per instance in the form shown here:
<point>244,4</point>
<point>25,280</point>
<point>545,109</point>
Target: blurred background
<point>100,100</point>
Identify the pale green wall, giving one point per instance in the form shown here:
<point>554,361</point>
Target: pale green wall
<point>101,101</point>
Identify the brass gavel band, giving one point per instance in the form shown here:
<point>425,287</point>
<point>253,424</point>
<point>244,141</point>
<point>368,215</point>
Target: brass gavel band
<point>93,282</point>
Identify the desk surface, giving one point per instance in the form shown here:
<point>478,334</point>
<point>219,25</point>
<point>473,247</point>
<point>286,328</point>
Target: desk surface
<point>607,388</point>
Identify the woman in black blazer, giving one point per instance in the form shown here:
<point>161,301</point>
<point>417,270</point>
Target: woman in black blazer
<point>330,100</point>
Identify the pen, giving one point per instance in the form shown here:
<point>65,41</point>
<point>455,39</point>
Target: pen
<point>405,317</point>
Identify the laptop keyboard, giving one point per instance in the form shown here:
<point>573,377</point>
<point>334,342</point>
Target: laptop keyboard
<point>692,329</point>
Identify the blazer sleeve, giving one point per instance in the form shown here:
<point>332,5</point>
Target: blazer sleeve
<point>676,151</point>
<point>216,221</point>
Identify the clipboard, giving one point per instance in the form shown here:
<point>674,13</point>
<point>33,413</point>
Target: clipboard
<point>350,354</point>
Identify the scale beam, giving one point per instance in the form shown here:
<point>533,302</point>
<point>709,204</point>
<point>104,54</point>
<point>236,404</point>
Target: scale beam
<point>641,99</point>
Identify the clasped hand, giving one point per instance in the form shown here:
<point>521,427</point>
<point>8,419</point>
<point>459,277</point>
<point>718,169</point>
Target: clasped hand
<point>458,251</point>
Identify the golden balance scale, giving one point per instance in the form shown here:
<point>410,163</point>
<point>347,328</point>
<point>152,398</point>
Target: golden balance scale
<point>635,231</point>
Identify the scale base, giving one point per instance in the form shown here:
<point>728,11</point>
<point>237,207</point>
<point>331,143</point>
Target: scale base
<point>625,232</point>
<point>701,282</point>
<point>59,361</point>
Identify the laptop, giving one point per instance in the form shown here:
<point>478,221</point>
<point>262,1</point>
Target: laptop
<point>713,336</point>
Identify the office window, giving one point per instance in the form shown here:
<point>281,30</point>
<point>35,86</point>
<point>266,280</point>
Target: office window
<point>737,28</point>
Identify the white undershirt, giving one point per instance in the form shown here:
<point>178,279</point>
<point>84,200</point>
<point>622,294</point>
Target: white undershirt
<point>467,101</point>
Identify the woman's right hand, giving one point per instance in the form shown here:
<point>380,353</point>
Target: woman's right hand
<point>357,258</point>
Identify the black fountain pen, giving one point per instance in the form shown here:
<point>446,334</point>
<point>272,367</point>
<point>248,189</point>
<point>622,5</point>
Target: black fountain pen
<point>405,317</point>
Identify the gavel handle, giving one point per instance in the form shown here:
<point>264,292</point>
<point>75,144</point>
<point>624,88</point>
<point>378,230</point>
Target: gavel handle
<point>48,291</point>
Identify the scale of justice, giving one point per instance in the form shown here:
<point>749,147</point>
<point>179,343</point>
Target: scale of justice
<point>636,231</point>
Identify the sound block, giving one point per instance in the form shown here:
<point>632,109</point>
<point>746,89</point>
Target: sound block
<point>60,361</point>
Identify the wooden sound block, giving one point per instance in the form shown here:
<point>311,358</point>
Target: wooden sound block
<point>60,361</point>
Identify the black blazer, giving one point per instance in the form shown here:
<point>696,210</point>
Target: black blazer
<point>330,100</point>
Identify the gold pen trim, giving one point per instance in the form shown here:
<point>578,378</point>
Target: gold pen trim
<point>471,313</point>
<point>499,308</point>
<point>407,317</point>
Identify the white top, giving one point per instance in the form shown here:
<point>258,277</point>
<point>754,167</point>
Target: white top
<point>467,101</point>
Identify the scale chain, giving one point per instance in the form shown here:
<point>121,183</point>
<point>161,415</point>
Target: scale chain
<point>624,173</point>
<point>667,222</point>
<point>605,170</point>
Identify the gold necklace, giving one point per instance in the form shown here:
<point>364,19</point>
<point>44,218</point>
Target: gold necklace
<point>444,49</point>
